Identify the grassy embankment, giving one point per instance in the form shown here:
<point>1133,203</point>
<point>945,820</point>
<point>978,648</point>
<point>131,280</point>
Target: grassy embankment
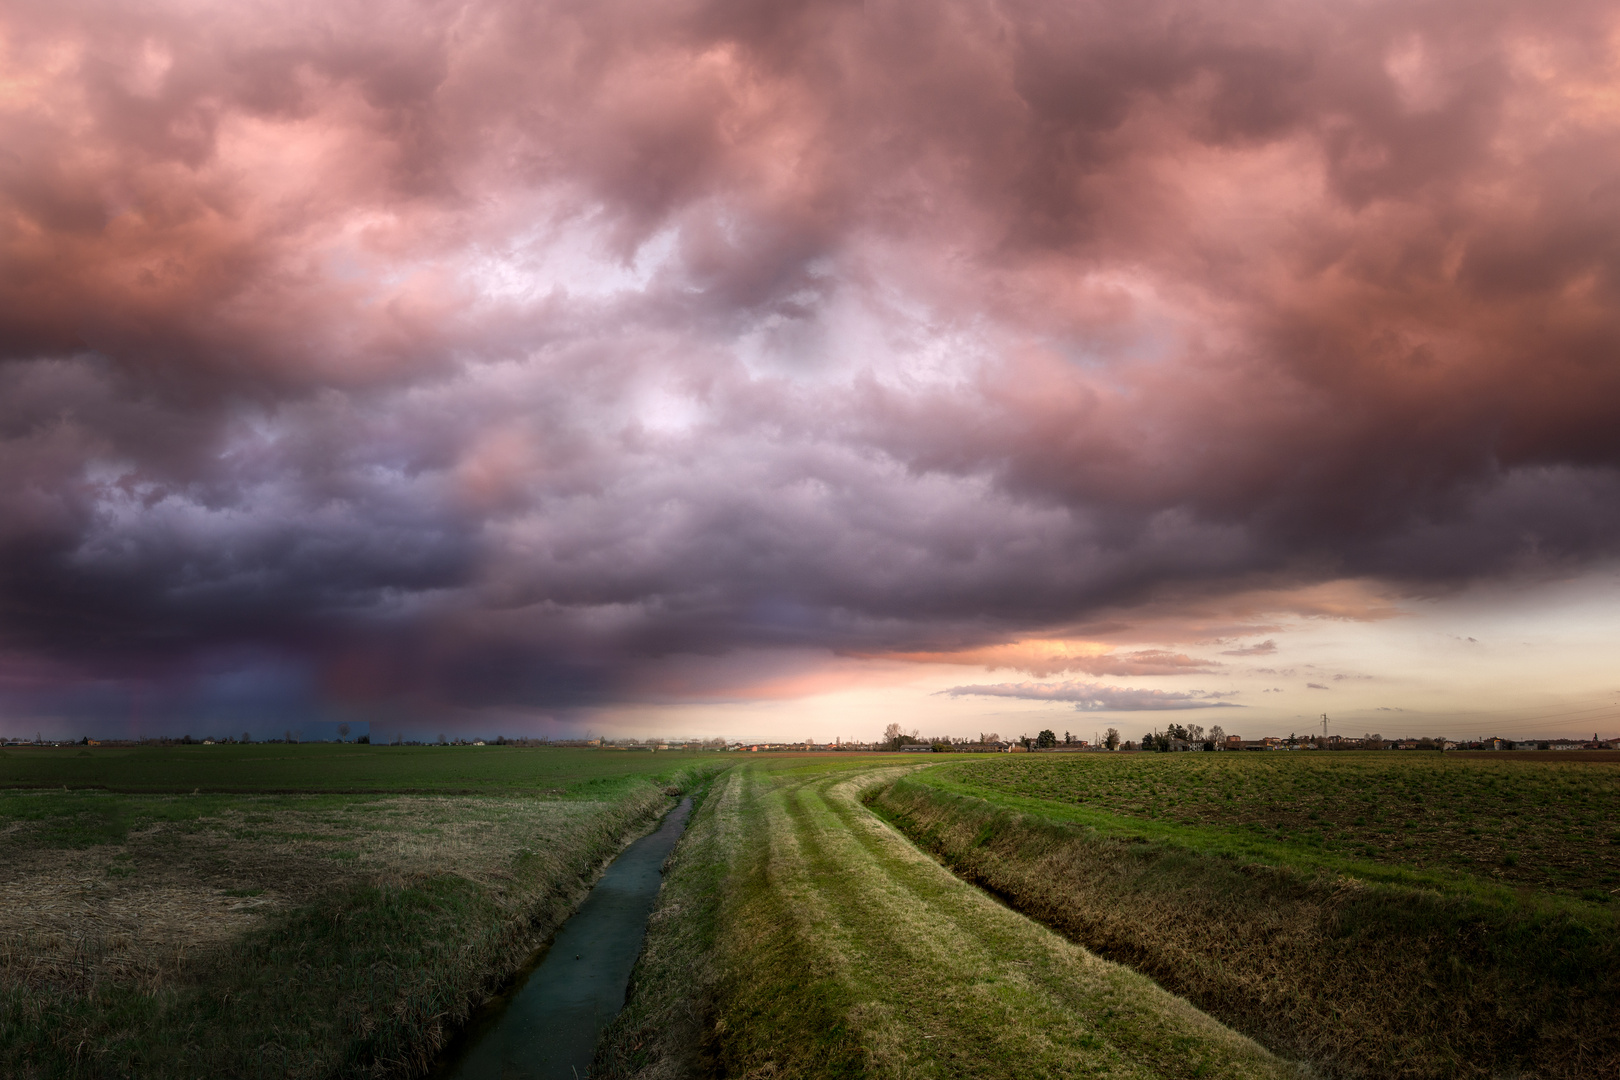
<point>798,935</point>
<point>273,935</point>
<point>1322,904</point>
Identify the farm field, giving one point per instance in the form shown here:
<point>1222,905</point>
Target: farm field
<point>1549,825</point>
<point>315,767</point>
<point>798,935</point>
<point>304,935</point>
<point>1228,879</point>
<point>312,921</point>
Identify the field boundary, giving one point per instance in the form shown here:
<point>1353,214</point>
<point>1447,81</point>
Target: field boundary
<point>1231,843</point>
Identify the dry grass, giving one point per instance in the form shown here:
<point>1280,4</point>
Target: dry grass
<point>297,936</point>
<point>134,912</point>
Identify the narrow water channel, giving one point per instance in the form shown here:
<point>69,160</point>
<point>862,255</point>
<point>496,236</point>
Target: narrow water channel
<point>546,1027</point>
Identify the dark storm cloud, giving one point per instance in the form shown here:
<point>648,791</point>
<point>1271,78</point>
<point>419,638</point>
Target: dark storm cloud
<point>476,353</point>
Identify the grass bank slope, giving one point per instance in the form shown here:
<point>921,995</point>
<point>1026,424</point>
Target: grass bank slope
<point>799,935</point>
<point>276,935</point>
<point>1359,976</point>
<point>1514,820</point>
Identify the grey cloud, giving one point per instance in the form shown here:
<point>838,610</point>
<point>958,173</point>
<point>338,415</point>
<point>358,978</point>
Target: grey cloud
<point>1095,697</point>
<point>1262,649</point>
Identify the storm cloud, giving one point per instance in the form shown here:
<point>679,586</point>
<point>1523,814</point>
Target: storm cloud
<point>477,356</point>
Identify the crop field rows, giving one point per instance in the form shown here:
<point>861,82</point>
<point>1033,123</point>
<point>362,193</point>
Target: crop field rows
<point>1545,825</point>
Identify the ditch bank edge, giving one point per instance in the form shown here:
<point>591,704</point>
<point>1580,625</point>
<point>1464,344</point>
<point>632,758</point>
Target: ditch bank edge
<point>1360,979</point>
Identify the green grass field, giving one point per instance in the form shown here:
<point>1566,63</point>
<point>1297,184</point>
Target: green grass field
<point>799,935</point>
<point>333,767</point>
<point>1548,825</point>
<point>256,933</point>
<point>1229,878</point>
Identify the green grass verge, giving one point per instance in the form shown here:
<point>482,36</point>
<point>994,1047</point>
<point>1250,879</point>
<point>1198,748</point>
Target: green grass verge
<point>798,935</point>
<point>1388,973</point>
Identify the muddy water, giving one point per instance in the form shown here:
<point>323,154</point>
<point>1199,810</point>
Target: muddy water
<point>547,1025</point>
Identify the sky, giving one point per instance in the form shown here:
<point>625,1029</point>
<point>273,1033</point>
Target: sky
<point>787,369</point>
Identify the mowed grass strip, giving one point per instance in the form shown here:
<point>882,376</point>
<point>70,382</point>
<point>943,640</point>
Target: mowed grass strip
<point>1357,977</point>
<point>280,936</point>
<point>836,948</point>
<point>1552,825</point>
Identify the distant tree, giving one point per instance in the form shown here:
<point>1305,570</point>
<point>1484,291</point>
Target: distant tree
<point>343,731</point>
<point>1217,736</point>
<point>247,736</point>
<point>1195,733</point>
<point>987,737</point>
<point>1068,740</point>
<point>287,735</point>
<point>1046,739</point>
<point>1112,739</point>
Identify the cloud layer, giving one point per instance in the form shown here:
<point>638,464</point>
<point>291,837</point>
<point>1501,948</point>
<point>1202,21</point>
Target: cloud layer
<point>476,355</point>
<point>1095,697</point>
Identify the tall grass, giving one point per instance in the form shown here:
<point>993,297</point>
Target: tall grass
<point>1358,978</point>
<point>369,979</point>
